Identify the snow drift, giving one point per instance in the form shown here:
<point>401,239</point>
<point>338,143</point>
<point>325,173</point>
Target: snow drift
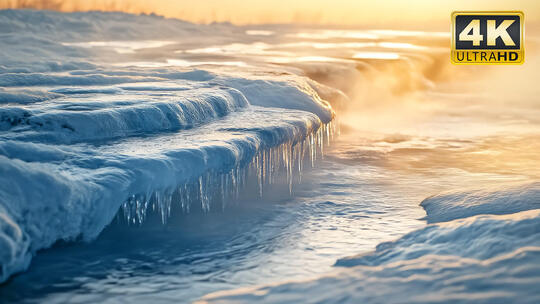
<point>478,257</point>
<point>502,200</point>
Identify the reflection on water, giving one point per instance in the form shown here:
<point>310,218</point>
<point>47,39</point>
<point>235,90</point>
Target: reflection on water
<point>259,33</point>
<point>305,59</point>
<point>329,34</point>
<point>180,63</point>
<point>400,45</point>
<point>256,48</point>
<point>403,33</point>
<point>376,55</point>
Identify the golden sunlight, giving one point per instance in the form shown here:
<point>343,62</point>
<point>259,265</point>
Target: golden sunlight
<point>344,12</point>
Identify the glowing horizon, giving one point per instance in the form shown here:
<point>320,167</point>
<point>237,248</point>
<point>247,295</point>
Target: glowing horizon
<point>339,12</point>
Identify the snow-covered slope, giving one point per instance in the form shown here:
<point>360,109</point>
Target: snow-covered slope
<point>475,257</point>
<point>81,136</point>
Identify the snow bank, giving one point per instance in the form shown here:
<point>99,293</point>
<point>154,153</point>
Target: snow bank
<point>283,94</point>
<point>503,200</point>
<point>75,119</point>
<point>485,258</point>
<point>53,192</point>
<point>82,137</point>
<point>66,171</point>
<point>480,237</point>
<point>431,279</point>
<point>25,96</point>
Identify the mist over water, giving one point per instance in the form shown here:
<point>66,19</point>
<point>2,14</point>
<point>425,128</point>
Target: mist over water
<point>393,14</point>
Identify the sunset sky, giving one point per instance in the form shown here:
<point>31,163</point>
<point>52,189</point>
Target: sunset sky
<point>346,12</point>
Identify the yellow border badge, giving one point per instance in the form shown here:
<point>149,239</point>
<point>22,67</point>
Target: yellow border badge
<point>488,37</point>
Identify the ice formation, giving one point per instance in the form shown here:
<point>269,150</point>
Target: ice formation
<point>215,187</point>
<point>81,137</point>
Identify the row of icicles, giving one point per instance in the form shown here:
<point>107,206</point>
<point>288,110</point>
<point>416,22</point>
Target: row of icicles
<point>215,189</point>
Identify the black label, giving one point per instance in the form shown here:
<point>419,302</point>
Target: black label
<point>513,30</point>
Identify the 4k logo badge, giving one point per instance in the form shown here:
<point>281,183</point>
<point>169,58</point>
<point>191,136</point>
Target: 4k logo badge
<point>487,38</point>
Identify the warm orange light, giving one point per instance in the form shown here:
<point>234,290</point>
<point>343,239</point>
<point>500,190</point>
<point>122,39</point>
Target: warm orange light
<point>418,12</point>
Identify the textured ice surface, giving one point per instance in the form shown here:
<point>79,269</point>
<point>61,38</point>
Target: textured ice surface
<point>80,137</point>
<point>480,258</point>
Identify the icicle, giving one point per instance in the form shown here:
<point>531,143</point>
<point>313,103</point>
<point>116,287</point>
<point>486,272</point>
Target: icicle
<point>213,188</point>
<point>259,174</point>
<point>299,148</point>
<point>185,198</point>
<point>237,179</point>
<point>311,150</point>
<point>203,195</point>
<point>289,167</point>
